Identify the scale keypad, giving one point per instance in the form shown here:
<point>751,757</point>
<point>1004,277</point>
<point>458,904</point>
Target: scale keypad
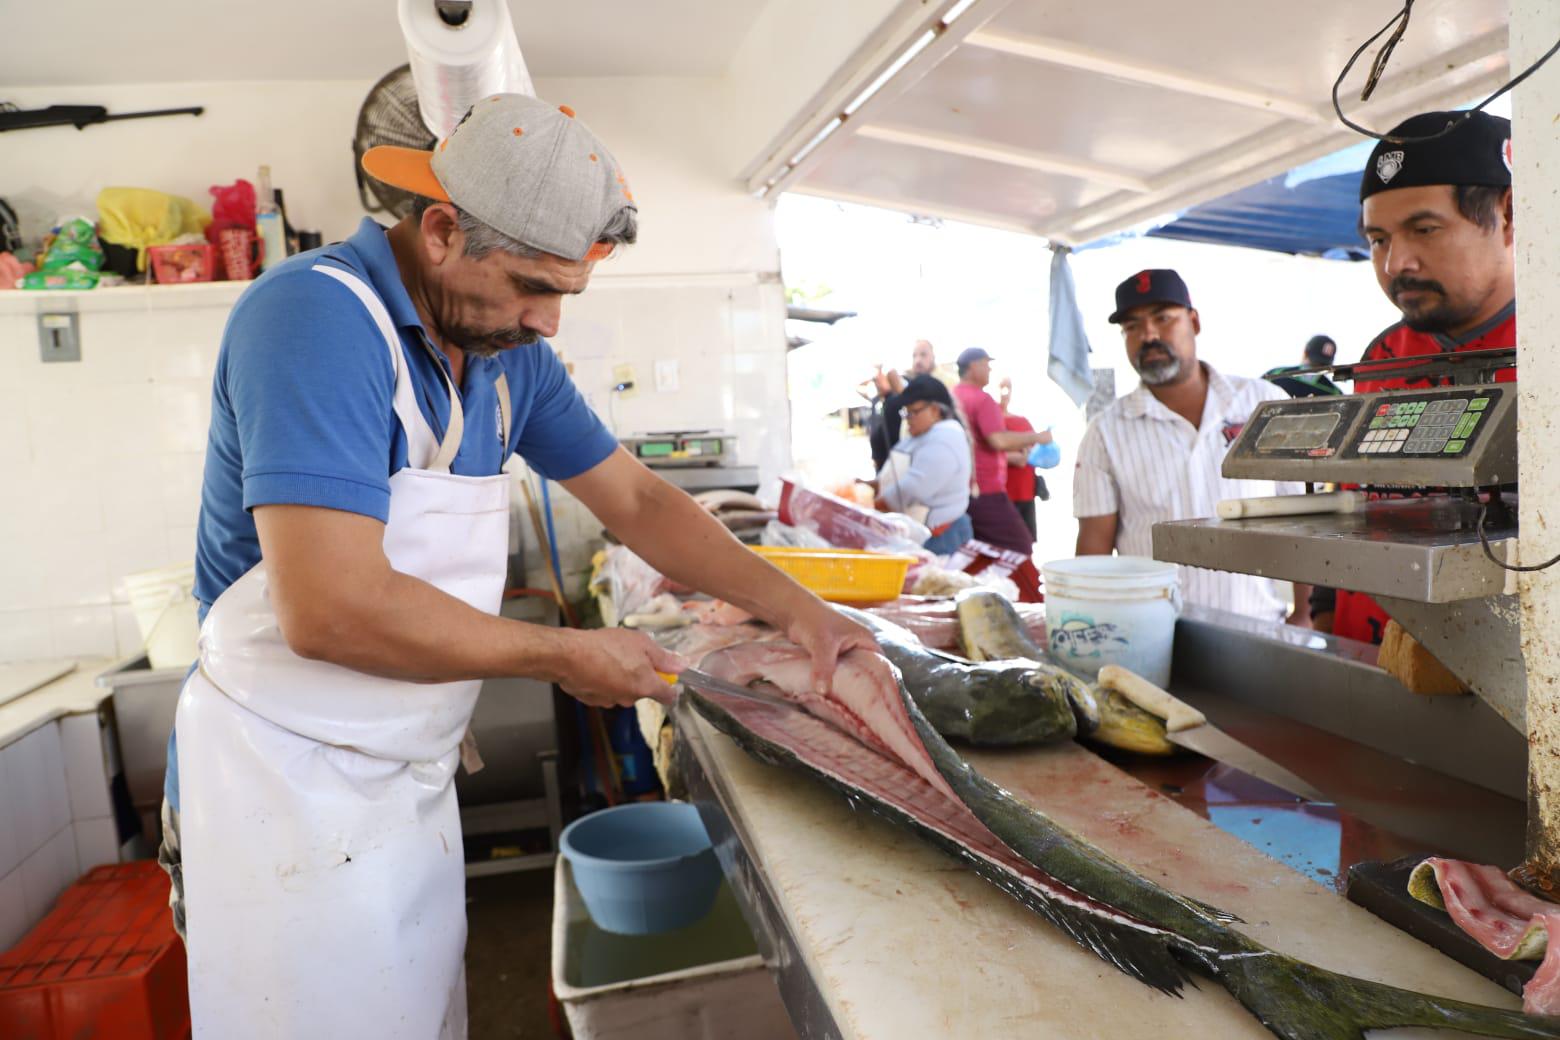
<point>1439,427</point>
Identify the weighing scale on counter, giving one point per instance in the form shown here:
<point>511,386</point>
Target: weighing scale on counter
<point>694,460</point>
<point>1431,554</point>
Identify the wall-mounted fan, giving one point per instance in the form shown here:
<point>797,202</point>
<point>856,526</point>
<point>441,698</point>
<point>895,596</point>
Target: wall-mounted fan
<point>390,115</point>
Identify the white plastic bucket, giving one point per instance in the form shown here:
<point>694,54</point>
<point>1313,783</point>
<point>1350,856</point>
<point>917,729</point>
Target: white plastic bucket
<point>163,601</point>
<point>1117,610</point>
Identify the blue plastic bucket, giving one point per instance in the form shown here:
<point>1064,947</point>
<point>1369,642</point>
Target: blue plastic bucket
<point>643,868</point>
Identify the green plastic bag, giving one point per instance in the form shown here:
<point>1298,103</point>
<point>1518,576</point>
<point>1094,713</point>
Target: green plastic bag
<point>74,242</point>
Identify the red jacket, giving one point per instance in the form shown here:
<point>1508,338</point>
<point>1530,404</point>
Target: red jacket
<point>1356,615</point>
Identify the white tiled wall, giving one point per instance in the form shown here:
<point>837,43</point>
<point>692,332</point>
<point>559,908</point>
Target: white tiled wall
<point>103,457</point>
<point>103,461</point>
<point>38,856</point>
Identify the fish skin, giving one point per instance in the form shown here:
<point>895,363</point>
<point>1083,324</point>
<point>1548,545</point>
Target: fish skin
<point>996,704</point>
<point>1144,930</point>
<point>990,630</point>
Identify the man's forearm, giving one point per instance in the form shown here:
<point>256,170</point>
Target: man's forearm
<point>401,627</point>
<point>1013,440</point>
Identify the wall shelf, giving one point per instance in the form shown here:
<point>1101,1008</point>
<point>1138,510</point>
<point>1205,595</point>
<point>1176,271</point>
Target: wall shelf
<point>122,298</point>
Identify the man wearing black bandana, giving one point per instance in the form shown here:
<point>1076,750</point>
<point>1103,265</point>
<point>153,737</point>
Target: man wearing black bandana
<point>1438,217</point>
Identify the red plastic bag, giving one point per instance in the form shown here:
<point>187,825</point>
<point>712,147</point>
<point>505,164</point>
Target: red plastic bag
<point>232,205</point>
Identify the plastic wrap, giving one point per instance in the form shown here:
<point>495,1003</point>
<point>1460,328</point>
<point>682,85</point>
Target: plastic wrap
<point>785,536</point>
<point>628,581</point>
<point>456,66</point>
<point>845,525</point>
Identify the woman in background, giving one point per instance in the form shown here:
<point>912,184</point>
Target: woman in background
<point>929,469</point>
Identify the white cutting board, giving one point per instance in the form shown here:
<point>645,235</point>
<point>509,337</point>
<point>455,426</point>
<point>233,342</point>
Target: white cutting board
<point>17,680</point>
<point>903,941</point>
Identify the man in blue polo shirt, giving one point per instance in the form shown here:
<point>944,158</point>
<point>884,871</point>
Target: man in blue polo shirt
<point>350,563</point>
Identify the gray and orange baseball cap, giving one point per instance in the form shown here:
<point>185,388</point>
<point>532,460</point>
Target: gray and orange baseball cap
<point>522,166</point>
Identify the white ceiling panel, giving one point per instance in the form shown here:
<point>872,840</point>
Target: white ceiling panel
<point>1290,49</point>
<point>939,184</point>
<point>163,41</point>
<point>1078,118</point>
<point>1031,105</point>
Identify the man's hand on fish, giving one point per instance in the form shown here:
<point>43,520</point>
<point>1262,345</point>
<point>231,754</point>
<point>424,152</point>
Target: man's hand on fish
<point>615,667</point>
<point>827,635</point>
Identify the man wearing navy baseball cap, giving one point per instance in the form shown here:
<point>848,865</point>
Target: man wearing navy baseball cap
<point>1157,454</point>
<point>1438,216</point>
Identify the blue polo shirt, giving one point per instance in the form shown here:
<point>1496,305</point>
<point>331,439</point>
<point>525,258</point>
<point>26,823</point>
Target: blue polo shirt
<point>302,413</point>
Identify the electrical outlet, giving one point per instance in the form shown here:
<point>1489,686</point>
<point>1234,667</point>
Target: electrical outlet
<point>623,382</point>
<point>58,338</point>
<point>666,376</point>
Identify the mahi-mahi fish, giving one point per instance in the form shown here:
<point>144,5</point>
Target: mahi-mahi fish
<point>868,740</point>
<point>991,630</point>
<point>992,704</point>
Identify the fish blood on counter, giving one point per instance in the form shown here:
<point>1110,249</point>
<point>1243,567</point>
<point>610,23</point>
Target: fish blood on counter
<point>868,740</point>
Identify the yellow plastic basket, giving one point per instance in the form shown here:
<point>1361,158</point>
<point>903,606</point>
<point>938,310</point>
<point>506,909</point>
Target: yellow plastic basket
<point>843,575</point>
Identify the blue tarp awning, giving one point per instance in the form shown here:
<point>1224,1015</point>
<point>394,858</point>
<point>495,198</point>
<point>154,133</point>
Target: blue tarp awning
<point>1313,210</point>
<point>1317,218</point>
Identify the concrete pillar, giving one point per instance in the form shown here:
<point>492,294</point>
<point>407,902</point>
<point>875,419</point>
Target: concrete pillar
<point>1536,173</point>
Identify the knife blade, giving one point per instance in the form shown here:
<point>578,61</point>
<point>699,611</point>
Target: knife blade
<point>705,681</point>
<point>1190,728</point>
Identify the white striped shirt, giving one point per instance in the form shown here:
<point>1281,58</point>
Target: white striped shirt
<point>1147,464</point>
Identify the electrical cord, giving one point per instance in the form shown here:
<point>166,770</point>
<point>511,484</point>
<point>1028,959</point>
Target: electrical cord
<point>1397,26</point>
<point>1484,541</point>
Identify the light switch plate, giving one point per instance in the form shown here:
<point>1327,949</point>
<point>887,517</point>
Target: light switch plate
<point>666,376</point>
<point>58,338</point>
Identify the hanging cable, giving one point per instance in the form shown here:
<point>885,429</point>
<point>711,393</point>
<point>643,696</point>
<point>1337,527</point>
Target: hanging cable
<point>1484,541</point>
<point>1397,26</point>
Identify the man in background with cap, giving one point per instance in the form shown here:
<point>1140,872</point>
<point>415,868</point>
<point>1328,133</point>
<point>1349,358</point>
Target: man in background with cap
<point>1157,453</point>
<point>1438,217</point>
<point>992,514</point>
<point>351,557</point>
<point>1294,381</point>
<point>883,427</point>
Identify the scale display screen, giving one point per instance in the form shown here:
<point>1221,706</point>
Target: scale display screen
<point>703,447</point>
<point>656,449</point>
<point>1298,432</point>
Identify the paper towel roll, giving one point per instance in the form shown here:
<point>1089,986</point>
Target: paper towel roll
<point>456,66</point>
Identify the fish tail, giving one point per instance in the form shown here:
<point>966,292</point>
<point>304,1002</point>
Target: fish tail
<point>1300,1001</point>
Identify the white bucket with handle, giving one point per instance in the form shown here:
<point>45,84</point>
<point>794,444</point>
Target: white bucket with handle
<point>1119,610</point>
<point>167,613</point>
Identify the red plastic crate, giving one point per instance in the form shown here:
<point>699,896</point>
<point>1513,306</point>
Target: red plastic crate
<point>106,962</point>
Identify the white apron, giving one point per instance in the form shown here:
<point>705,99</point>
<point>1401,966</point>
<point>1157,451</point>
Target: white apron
<point>324,881</point>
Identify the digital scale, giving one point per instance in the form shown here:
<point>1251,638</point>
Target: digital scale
<point>1453,437</point>
<point>694,460</point>
<point>1431,552</point>
<point>682,448</point>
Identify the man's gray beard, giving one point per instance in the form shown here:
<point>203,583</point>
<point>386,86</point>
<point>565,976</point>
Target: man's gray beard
<point>488,347</point>
<point>1161,372</point>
